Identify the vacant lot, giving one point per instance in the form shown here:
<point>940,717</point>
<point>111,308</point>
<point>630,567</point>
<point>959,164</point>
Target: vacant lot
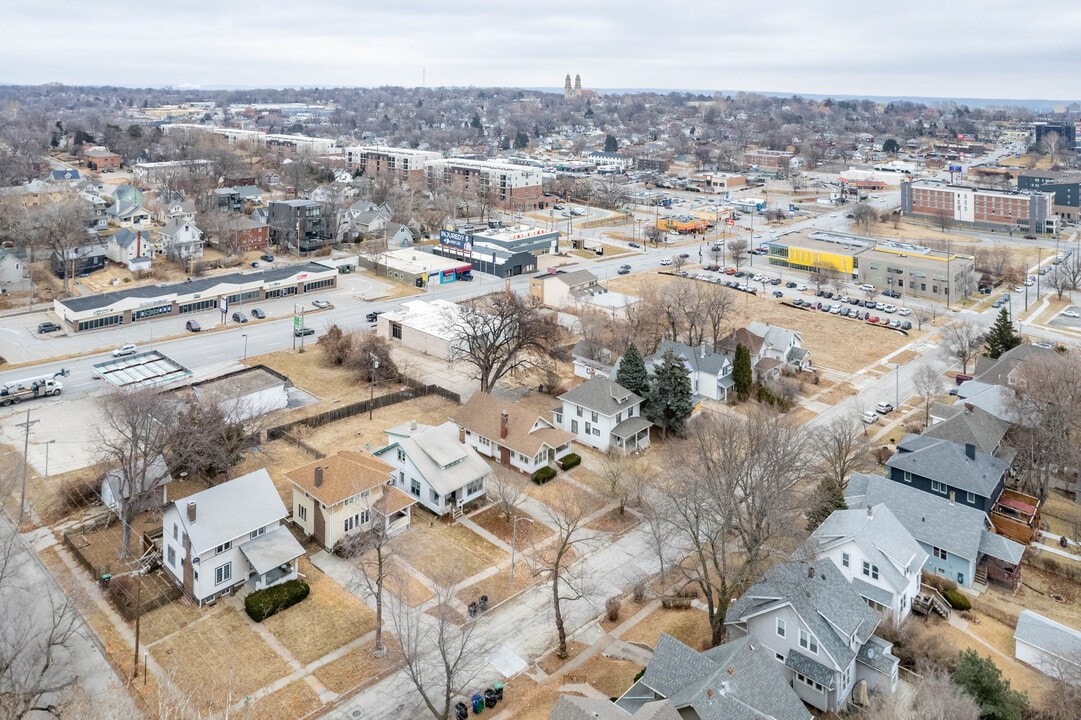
<point>834,341</point>
<point>357,432</point>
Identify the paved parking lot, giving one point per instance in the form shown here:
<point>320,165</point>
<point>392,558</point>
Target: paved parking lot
<point>1062,320</point>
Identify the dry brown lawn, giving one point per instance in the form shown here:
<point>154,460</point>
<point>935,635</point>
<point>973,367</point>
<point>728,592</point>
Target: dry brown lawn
<point>328,618</point>
<point>802,415</point>
<point>166,620</point>
<point>835,342</point>
<point>611,676</point>
<point>1020,676</point>
<point>551,663</point>
<point>405,587</point>
<point>553,489</point>
<point>497,587</point>
<point>242,662</point>
<point>592,479</point>
<point>356,432</point>
<point>613,522</point>
<point>295,700</point>
<point>527,700</point>
<point>1035,594</point>
<point>310,372</point>
<point>358,667</point>
<point>1060,514</point>
<point>492,520</point>
<point>690,627</point>
<point>837,393</point>
<point>440,548</point>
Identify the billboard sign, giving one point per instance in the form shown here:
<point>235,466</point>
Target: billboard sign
<point>297,322</point>
<point>223,305</point>
<point>457,240</point>
<point>955,168</point>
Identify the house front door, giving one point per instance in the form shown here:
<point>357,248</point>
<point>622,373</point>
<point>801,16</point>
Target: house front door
<point>504,455</point>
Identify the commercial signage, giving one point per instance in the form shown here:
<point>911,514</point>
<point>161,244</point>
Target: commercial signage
<point>455,239</point>
<point>730,222</point>
<point>955,168</point>
<point>223,305</point>
<point>296,322</point>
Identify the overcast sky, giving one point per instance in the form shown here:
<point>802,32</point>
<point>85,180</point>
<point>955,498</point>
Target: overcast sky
<point>943,48</point>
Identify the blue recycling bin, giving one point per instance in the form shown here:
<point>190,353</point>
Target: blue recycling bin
<point>478,704</point>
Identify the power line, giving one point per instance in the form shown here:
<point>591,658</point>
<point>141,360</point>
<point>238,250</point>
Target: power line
<point>26,462</point>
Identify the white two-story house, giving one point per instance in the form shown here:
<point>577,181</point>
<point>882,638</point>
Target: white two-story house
<point>605,415</point>
<point>510,435</point>
<point>221,538</point>
<point>819,628</point>
<point>710,372</point>
<point>875,553</point>
<point>435,465</point>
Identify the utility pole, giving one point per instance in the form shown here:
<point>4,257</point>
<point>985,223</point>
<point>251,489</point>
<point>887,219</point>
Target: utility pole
<point>26,463</point>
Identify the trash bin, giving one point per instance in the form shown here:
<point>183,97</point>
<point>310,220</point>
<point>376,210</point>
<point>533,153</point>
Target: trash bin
<point>461,711</point>
<point>478,704</point>
<point>105,579</point>
<point>472,609</point>
<point>498,688</point>
<point>482,604</point>
<point>489,698</point>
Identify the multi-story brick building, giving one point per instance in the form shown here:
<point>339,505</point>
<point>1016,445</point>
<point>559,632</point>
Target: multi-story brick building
<point>403,164</point>
<point>1029,211</point>
<point>768,159</point>
<point>512,187</point>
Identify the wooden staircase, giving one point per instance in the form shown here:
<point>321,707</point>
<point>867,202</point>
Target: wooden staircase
<point>930,601</point>
<point>980,577</point>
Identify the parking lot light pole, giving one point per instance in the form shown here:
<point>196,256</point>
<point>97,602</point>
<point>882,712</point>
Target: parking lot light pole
<point>513,544</point>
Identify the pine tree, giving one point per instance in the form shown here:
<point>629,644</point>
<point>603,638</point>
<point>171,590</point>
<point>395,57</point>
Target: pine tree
<point>632,373</point>
<point>610,143</point>
<point>741,372</point>
<point>669,402</point>
<point>1001,336</point>
<point>982,679</point>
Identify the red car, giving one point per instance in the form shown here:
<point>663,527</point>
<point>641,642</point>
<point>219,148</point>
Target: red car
<point>873,319</point>
<point>730,271</point>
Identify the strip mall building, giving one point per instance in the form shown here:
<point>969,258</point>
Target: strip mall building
<point>124,307</point>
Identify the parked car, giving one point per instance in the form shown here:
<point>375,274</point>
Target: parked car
<point>904,311</point>
<point>666,261</point>
<point>790,284</point>
<point>240,317</point>
<point>123,350</point>
<point>255,264</point>
<point>836,310</point>
<point>192,326</point>
<point>775,281</point>
<point>373,316</point>
<point>869,417</point>
<point>729,271</point>
<point>303,331</point>
<point>1019,289</point>
<point>633,245</point>
<point>1064,313</point>
<point>778,294</point>
<point>872,318</point>
<point>258,314</point>
<point>867,288</point>
<point>320,303</point>
<point>884,408</point>
<point>892,294</point>
<point>267,258</point>
<point>1030,281</point>
<point>624,269</point>
<point>906,325</point>
<point>47,327</point>
<point>895,323</point>
<point>890,308</point>
<point>801,287</point>
<point>740,273</point>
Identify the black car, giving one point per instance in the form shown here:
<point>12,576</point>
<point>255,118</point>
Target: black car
<point>267,258</point>
<point>47,327</point>
<point>790,284</point>
<point>778,294</point>
<point>740,273</point>
<point>240,317</point>
<point>258,314</point>
<point>633,245</point>
<point>892,294</point>
<point>373,316</point>
<point>775,281</point>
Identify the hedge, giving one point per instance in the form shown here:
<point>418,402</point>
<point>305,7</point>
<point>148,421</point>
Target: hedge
<point>543,475</point>
<point>570,460</point>
<point>261,604</point>
<point>957,599</point>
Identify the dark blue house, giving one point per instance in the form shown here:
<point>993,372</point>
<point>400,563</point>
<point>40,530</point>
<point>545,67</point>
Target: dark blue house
<point>948,469</point>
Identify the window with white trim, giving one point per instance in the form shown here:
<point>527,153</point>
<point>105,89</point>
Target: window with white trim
<point>940,554</point>
<point>808,642</point>
<point>302,512</point>
<point>223,573</point>
<point>170,554</point>
<point>939,487</point>
<point>223,547</point>
<point>780,627</point>
<point>844,560</point>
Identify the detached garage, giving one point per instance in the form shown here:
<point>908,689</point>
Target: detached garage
<point>1052,648</point>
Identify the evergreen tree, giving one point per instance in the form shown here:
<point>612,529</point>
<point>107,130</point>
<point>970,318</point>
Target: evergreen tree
<point>610,143</point>
<point>982,679</point>
<point>669,402</point>
<point>741,372</point>
<point>632,373</point>
<point>1001,336</point>
<point>829,497</point>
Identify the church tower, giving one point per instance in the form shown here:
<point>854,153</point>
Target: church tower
<point>568,93</point>
<point>577,86</point>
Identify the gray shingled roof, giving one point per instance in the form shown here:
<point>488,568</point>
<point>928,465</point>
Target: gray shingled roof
<point>696,359</point>
<point>735,681</point>
<point>602,395</point>
<point>948,462</point>
<point>445,463</point>
<point>878,535</point>
<point>1049,636</point>
<point>931,519</point>
<point>226,511</point>
<point>1001,548</point>
<point>826,603</point>
<point>809,667</point>
<point>272,549</point>
<point>571,707</point>
<point>876,654</point>
<point>975,425</point>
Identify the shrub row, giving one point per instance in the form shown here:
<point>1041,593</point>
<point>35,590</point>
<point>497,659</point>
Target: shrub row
<point>543,475</point>
<point>570,460</point>
<point>957,599</point>
<point>261,604</point>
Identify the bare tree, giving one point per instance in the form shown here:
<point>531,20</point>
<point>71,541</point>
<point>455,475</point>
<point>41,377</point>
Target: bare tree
<point>865,217</point>
<point>1066,276</point>
<point>555,560</point>
<point>371,357</point>
<point>438,654</point>
<point>935,697</point>
<point>963,340</point>
<point>499,333</point>
<point>506,492</point>
<point>1048,408</point>
<point>928,384</point>
<point>61,226</point>
<point>625,476</point>
<point>737,250</point>
<point>840,448</point>
<point>136,427</point>
<point>944,220</point>
<point>205,441</point>
<point>371,553</point>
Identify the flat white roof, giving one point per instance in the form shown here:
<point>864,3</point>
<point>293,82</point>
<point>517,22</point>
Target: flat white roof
<point>415,262</point>
<point>435,317</point>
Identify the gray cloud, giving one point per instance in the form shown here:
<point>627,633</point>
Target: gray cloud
<point>951,48</point>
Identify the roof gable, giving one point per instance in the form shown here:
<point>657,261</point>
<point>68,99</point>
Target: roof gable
<point>227,511</point>
<point>343,475</point>
<point>602,395</point>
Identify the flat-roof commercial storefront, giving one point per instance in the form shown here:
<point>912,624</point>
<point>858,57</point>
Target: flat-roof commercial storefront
<point>499,251</point>
<point>124,307</point>
<point>417,267</point>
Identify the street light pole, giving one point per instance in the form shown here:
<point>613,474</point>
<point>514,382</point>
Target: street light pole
<point>245,336</point>
<point>513,544</point>
<point>897,386</point>
<point>371,396</point>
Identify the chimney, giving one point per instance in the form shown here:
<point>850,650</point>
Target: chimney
<point>968,407</point>
<point>870,512</point>
<point>319,476</point>
<point>412,424</point>
<point>191,512</point>
<point>461,434</point>
<point>703,348</point>
<point>810,571</point>
<point>970,451</point>
<point>952,494</point>
<point>503,417</point>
